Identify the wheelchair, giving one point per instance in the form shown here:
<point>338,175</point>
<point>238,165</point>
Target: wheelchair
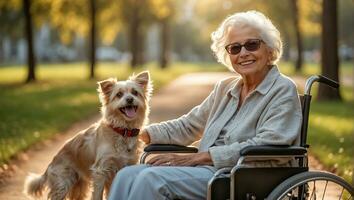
<point>243,182</point>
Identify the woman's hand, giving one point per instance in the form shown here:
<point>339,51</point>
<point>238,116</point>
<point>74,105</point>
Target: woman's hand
<point>170,159</point>
<point>144,136</point>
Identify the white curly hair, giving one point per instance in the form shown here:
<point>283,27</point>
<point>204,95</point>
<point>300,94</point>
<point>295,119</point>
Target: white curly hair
<point>254,19</point>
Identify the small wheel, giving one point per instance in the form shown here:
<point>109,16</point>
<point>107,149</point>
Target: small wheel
<point>313,185</point>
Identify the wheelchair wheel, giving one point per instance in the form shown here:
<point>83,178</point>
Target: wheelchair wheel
<point>312,185</point>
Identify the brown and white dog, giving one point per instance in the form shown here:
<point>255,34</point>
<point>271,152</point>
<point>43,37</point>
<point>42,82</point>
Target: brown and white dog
<point>95,155</point>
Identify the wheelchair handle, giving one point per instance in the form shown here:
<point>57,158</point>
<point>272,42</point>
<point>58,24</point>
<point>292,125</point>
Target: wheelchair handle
<point>320,79</point>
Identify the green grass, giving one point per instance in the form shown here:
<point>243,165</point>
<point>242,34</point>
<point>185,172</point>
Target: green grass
<point>331,136</point>
<point>32,112</point>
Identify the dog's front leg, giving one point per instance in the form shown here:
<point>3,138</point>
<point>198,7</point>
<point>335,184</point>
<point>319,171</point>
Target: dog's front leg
<point>103,174</point>
<point>98,178</point>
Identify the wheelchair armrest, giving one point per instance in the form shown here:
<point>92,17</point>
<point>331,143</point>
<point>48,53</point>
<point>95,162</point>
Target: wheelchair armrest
<point>165,148</point>
<point>269,150</point>
<point>170,148</point>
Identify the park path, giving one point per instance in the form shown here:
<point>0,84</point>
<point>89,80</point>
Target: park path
<point>172,101</point>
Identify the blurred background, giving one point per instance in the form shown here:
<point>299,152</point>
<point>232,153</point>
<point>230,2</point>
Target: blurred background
<point>52,52</point>
<point>163,31</point>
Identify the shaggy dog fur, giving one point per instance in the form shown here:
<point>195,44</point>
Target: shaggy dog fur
<point>95,155</point>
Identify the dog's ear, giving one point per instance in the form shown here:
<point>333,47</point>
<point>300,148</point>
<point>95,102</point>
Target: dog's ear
<point>143,79</point>
<point>105,86</point>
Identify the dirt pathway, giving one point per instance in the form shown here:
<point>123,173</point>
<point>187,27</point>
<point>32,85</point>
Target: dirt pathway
<point>170,102</point>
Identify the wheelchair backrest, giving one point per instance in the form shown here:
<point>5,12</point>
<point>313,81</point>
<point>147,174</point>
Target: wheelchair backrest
<point>305,107</point>
<point>306,100</point>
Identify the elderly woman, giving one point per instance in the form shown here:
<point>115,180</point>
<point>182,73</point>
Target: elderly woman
<point>259,107</point>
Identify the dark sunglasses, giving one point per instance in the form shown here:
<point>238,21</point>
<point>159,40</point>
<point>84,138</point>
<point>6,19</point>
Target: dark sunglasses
<point>250,45</point>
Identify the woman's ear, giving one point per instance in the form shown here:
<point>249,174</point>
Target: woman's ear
<point>270,56</point>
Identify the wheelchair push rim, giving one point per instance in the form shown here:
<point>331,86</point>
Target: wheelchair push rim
<point>313,185</point>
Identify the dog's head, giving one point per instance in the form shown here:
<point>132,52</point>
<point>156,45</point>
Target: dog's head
<point>126,102</point>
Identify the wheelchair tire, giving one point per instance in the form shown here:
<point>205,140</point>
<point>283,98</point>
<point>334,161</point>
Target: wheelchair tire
<point>329,186</point>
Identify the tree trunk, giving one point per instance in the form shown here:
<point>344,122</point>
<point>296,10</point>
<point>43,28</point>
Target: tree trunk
<point>92,54</point>
<point>286,48</point>
<point>329,50</point>
<point>2,57</point>
<point>295,11</point>
<point>136,39</point>
<point>31,75</point>
<point>165,43</point>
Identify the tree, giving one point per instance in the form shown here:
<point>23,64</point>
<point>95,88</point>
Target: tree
<point>11,12</point>
<point>165,43</point>
<point>329,50</point>
<point>31,75</point>
<point>134,17</point>
<point>92,54</point>
<point>136,37</point>
<point>345,19</point>
<point>163,10</point>
<point>295,12</point>
<point>75,18</point>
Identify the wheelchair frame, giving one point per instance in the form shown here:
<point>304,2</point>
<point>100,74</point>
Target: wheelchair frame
<point>292,177</point>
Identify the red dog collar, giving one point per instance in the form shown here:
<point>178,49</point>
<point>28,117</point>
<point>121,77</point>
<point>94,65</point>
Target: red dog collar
<point>126,132</point>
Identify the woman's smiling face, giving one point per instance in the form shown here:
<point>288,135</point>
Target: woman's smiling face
<point>248,63</point>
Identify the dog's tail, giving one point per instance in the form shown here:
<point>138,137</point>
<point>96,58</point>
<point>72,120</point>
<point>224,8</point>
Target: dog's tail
<point>35,184</point>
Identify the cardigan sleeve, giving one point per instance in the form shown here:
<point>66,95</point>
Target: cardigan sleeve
<point>185,129</point>
<point>280,126</point>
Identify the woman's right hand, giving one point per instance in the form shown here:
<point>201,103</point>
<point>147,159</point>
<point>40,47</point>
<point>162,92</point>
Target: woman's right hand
<point>144,136</point>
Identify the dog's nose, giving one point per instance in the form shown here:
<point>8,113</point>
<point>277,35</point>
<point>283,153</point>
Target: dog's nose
<point>130,100</point>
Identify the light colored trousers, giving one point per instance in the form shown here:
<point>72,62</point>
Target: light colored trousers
<point>146,182</point>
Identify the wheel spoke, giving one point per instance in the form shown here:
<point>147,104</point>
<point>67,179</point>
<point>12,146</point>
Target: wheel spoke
<point>313,186</point>
<point>341,193</point>
<point>291,195</point>
<point>350,197</point>
<point>303,188</point>
<point>324,191</point>
<point>313,190</point>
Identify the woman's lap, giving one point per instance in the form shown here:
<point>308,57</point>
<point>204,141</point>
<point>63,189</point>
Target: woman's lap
<point>165,182</point>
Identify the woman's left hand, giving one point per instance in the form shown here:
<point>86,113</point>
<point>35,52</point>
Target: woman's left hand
<point>202,158</point>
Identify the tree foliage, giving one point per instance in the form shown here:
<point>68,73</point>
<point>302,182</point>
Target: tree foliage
<point>132,18</point>
<point>10,14</point>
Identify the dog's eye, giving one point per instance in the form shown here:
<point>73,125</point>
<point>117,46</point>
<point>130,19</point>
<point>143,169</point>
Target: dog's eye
<point>134,92</point>
<point>119,94</point>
